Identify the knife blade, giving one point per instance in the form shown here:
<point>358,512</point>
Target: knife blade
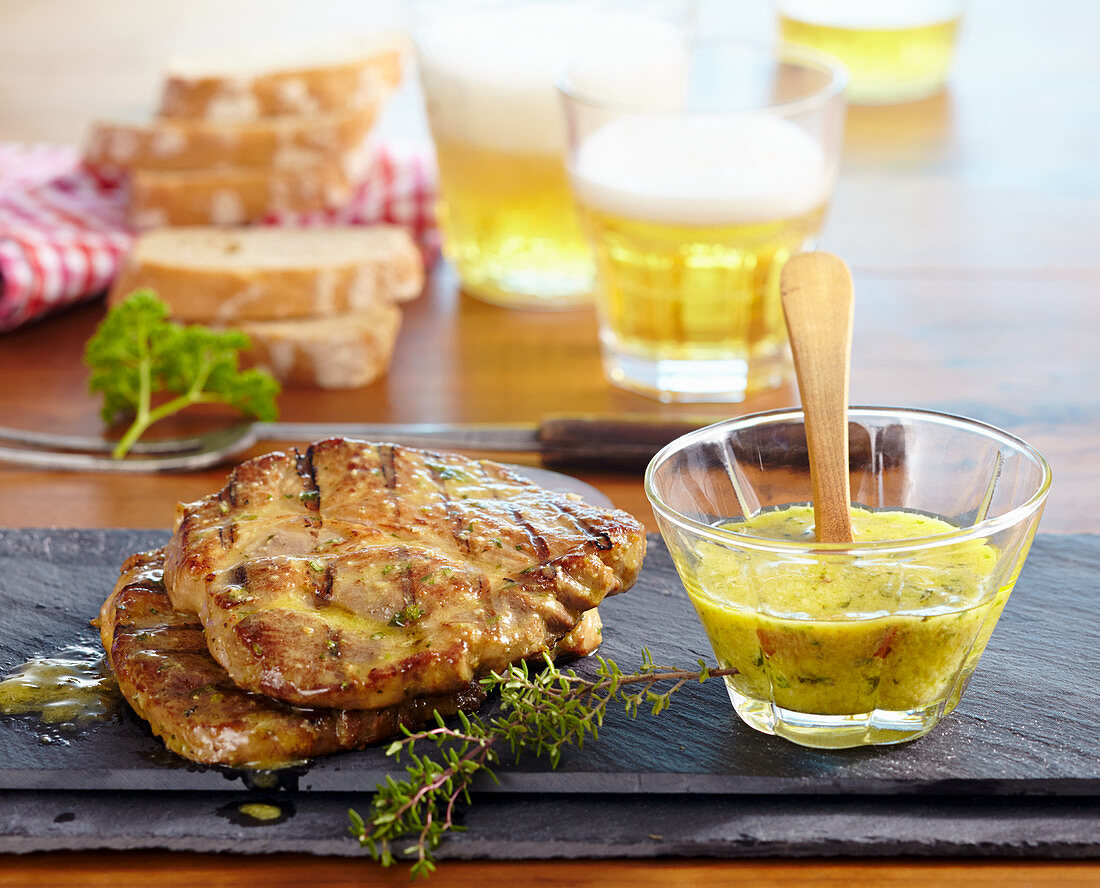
<point>625,441</point>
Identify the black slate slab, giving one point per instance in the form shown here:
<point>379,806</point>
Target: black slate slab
<point>507,826</point>
<point>1030,723</point>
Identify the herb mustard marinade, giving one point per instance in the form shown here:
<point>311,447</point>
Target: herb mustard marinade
<point>828,634</point>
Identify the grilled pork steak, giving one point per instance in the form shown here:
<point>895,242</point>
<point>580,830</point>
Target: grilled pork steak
<point>168,676</point>
<point>358,575</point>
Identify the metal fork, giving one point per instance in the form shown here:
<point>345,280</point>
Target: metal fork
<point>74,453</point>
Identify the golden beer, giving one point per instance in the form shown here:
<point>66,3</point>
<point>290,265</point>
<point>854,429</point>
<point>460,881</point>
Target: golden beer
<point>698,302</point>
<point>510,226</point>
<point>488,71</point>
<point>692,219</point>
<point>894,53</point>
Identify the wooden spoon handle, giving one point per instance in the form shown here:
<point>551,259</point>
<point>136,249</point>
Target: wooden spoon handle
<point>818,305</point>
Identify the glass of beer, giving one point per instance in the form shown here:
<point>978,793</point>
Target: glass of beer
<point>895,51</point>
<point>488,71</point>
<point>694,194</point>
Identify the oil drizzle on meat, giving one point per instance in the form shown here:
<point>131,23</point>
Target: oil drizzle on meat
<point>439,476</point>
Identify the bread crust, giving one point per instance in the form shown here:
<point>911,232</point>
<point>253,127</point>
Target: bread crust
<point>234,195</point>
<point>115,147</point>
<point>390,268</point>
<point>305,90</point>
<point>340,352</point>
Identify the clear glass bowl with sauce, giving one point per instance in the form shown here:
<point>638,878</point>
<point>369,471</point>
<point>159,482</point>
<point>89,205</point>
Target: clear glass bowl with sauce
<point>871,642</point>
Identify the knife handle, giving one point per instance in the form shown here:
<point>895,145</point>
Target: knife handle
<point>625,442</point>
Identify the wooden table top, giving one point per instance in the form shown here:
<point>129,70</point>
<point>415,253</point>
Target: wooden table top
<point>972,223</point>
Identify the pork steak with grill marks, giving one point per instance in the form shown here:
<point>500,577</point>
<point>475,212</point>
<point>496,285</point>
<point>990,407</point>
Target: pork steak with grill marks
<point>359,575</point>
<point>165,671</point>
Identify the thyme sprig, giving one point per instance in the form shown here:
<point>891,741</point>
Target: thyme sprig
<point>540,712</point>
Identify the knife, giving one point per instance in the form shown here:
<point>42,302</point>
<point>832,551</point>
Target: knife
<point>623,442</point>
<point>626,441</point>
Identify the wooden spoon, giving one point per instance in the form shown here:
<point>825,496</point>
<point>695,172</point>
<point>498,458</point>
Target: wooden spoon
<point>817,303</point>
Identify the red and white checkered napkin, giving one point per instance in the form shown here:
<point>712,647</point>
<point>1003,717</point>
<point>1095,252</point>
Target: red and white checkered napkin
<point>63,234</point>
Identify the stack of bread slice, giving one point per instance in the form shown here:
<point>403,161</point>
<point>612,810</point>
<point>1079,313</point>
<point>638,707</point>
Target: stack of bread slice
<point>319,304</point>
<point>241,137</point>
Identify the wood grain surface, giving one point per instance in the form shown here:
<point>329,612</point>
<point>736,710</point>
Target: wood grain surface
<point>169,870</point>
<point>970,221</point>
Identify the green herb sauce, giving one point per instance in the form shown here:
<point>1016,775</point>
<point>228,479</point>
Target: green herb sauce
<point>827,634</point>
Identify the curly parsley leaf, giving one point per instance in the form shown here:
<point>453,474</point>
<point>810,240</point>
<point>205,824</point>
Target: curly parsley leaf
<point>137,351</point>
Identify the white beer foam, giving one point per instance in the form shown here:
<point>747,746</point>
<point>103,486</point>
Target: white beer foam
<point>701,170</point>
<point>490,75</point>
<point>887,15</point>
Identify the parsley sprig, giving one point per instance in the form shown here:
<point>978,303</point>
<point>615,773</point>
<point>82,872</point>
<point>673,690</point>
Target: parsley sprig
<point>540,712</point>
<point>136,351</point>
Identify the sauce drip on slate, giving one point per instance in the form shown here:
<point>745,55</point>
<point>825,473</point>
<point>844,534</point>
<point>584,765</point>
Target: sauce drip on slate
<point>257,813</point>
<point>68,690</point>
<point>261,811</point>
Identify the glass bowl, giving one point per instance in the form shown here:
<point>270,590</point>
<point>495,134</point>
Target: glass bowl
<point>848,644</point>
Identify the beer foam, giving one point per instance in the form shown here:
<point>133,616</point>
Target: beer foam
<point>490,75</point>
<point>887,16</point>
<point>701,170</point>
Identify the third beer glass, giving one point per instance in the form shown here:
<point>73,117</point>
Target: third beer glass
<point>694,195</point>
<point>895,50</point>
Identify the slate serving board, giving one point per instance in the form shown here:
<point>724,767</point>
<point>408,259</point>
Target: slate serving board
<point>508,826</point>
<point>1029,724</point>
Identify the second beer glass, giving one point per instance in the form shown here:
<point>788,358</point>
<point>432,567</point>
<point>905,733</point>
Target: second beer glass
<point>488,71</point>
<point>694,195</point>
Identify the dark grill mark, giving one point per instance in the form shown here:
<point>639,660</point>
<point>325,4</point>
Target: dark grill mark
<point>239,576</point>
<point>227,534</point>
<point>308,473</point>
<point>185,526</point>
<point>603,541</point>
<point>389,470</point>
<point>323,590</point>
<point>542,549</point>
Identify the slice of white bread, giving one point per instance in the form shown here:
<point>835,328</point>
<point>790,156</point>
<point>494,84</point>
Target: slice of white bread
<point>338,352</point>
<point>235,195</point>
<point>225,276</point>
<point>249,84</point>
<point>188,144</point>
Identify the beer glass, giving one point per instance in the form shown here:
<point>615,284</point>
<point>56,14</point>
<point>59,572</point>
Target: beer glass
<point>488,73</point>
<point>895,50</point>
<point>694,195</point>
